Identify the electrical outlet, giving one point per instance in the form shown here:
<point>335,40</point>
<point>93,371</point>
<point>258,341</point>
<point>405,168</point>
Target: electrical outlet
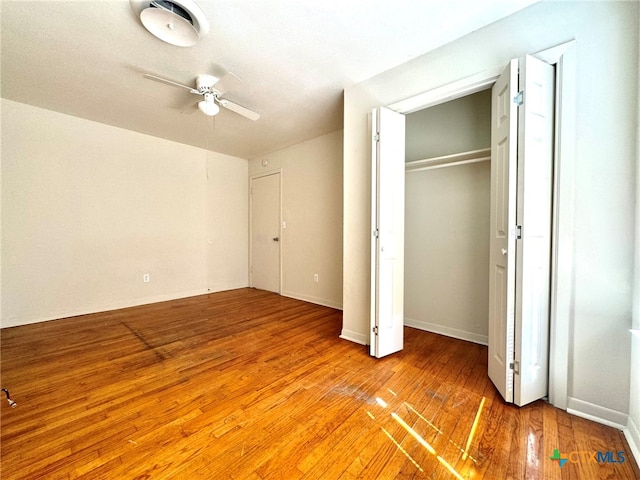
<point>315,278</point>
<point>146,278</point>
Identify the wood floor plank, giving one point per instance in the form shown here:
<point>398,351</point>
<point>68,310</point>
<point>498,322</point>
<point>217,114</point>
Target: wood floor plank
<point>247,384</point>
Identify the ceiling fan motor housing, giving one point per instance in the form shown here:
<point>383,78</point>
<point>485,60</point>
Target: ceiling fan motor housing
<point>205,83</point>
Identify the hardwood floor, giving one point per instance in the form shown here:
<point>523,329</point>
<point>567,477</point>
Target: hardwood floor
<point>246,384</point>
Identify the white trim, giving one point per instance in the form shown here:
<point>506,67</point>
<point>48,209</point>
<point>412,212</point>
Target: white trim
<point>355,337</point>
<point>110,306</point>
<point>596,413</point>
<point>632,434</point>
<point>554,54</point>
<point>561,305</point>
<point>451,91</point>
<point>266,174</point>
<point>225,288</point>
<point>447,331</point>
<point>315,300</point>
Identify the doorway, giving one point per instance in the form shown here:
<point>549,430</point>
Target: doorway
<point>265,223</point>
<point>563,56</point>
<point>522,151</point>
<point>448,172</point>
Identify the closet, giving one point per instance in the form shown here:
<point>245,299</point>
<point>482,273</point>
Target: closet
<point>447,189</point>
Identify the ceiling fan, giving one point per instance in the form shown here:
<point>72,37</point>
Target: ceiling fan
<point>211,88</point>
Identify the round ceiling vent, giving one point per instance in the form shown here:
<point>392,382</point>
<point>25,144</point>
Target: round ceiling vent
<point>178,22</point>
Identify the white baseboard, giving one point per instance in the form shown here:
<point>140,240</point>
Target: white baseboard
<point>355,337</point>
<point>226,287</point>
<point>632,434</point>
<point>318,301</point>
<point>448,331</point>
<point>105,307</point>
<point>596,413</point>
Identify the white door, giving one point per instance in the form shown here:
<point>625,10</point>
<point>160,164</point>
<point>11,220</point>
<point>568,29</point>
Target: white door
<point>522,154</point>
<point>387,227</point>
<point>533,253</point>
<point>502,225</point>
<point>265,232</point>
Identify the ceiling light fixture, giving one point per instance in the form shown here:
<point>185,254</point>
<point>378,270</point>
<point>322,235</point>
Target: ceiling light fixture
<point>178,22</point>
<point>208,106</point>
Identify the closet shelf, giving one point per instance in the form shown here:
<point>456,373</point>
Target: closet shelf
<point>472,156</point>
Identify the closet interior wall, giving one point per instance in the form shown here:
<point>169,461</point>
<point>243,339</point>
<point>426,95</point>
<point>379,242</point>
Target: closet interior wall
<point>447,218</point>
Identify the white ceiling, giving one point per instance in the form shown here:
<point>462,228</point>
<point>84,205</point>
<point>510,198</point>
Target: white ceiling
<point>86,58</point>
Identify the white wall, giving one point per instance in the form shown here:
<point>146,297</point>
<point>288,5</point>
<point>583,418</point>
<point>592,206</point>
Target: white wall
<point>446,281</point>
<point>227,223</point>
<point>633,425</point>
<point>312,209</point>
<point>603,214</point>
<point>87,209</point>
<point>457,126</point>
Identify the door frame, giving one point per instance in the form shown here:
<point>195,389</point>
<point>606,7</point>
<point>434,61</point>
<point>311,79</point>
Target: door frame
<point>278,172</point>
<point>563,56</point>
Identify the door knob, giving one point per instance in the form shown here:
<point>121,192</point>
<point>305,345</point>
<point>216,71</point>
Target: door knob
<point>276,239</point>
<point>504,251</point>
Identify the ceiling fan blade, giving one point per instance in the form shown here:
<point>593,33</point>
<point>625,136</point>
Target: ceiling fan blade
<point>169,82</point>
<point>226,83</point>
<point>239,109</point>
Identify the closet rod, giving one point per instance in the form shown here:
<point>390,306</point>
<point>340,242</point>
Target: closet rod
<point>472,156</point>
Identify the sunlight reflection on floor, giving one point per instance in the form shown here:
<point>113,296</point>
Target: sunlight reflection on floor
<point>440,432</point>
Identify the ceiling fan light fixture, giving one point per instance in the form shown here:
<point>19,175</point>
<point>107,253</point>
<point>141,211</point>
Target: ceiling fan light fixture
<point>177,22</point>
<point>208,106</point>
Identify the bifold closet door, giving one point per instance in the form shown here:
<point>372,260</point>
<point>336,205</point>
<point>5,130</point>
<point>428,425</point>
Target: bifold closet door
<point>387,231</point>
<point>520,226</point>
